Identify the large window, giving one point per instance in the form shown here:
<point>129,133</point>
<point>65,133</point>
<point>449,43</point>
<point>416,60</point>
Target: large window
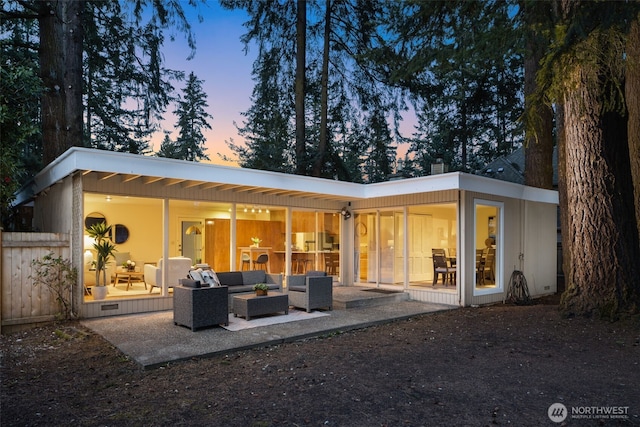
<point>432,229</point>
<point>380,245</point>
<point>137,235</point>
<point>488,247</point>
<point>315,242</point>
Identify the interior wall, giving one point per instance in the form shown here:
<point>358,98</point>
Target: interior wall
<point>144,221</point>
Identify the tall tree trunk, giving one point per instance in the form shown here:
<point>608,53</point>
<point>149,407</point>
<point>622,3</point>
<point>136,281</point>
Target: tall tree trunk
<point>603,245</point>
<point>73,36</point>
<point>324,95</point>
<point>301,59</point>
<point>539,136</point>
<point>51,56</point>
<point>565,217</point>
<point>632,95</point>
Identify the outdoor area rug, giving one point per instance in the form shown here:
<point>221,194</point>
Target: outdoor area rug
<point>240,323</point>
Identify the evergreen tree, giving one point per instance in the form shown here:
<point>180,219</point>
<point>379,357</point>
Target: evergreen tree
<point>126,87</point>
<point>192,120</point>
<point>584,71</point>
<point>169,149</point>
<point>268,129</point>
<point>20,92</point>
<point>462,63</point>
<point>336,85</point>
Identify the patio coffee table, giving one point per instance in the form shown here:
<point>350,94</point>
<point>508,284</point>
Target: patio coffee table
<point>248,305</point>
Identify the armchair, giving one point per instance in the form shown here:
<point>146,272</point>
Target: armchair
<point>178,269</point>
<point>310,292</point>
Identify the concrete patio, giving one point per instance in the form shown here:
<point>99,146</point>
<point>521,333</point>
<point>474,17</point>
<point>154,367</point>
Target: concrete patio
<point>152,339</point>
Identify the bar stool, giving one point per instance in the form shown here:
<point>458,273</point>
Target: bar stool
<point>262,261</point>
<point>296,262</point>
<point>245,257</point>
<point>307,263</point>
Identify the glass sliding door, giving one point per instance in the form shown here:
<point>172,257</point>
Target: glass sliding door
<point>391,247</point>
<point>379,243</point>
<point>365,247</point>
<point>328,242</point>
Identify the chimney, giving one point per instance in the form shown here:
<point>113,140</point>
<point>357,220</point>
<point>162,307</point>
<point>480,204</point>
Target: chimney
<point>439,167</point>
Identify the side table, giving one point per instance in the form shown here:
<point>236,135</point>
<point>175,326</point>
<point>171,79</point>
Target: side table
<point>197,308</point>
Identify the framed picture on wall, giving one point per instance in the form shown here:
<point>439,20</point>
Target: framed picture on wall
<point>492,227</point>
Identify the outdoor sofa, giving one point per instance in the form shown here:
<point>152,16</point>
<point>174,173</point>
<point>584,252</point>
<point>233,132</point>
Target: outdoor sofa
<point>241,282</point>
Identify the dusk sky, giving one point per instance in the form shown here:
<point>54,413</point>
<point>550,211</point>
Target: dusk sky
<point>221,63</point>
<point>223,66</point>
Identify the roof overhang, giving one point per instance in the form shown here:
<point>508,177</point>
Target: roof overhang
<point>206,175</point>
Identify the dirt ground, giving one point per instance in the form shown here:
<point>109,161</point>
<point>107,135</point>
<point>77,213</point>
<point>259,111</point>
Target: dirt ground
<point>497,365</point>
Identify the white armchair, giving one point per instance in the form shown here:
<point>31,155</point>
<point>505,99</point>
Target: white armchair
<point>178,269</point>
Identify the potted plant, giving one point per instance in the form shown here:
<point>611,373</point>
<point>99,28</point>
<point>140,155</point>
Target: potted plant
<point>256,242</point>
<point>129,265</point>
<point>261,289</point>
<point>105,249</point>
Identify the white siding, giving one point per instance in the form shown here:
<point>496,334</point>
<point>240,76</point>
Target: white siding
<point>125,306</point>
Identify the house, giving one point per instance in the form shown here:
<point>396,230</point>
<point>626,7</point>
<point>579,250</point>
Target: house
<point>511,167</point>
<point>375,235</point>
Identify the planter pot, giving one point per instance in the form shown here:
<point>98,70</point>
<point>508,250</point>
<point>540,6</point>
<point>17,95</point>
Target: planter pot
<point>260,292</point>
<point>99,292</point>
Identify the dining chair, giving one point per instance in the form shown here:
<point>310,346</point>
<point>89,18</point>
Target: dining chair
<point>442,267</point>
<point>451,256</point>
<point>434,252</point>
<point>489,265</point>
<point>331,263</point>
<point>480,266</point>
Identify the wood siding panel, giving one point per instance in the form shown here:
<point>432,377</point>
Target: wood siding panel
<point>449,196</point>
<point>447,298</point>
<point>160,189</point>
<point>119,307</point>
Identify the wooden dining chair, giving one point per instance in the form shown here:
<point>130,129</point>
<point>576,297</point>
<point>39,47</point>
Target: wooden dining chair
<point>442,267</point>
<point>489,265</point>
<point>480,266</point>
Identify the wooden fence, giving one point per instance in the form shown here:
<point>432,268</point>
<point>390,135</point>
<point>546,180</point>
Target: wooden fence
<point>21,303</point>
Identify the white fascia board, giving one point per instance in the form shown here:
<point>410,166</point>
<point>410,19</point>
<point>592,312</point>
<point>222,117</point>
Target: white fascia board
<point>55,171</point>
<point>497,187</point>
<point>86,159</point>
<point>460,181</point>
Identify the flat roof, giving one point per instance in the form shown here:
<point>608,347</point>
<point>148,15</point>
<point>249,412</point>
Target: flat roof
<point>152,169</point>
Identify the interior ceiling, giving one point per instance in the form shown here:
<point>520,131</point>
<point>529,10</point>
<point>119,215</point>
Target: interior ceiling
<point>206,185</point>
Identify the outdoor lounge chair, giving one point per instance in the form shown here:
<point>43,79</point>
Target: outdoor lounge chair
<point>310,292</point>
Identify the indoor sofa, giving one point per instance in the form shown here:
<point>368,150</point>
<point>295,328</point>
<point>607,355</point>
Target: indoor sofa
<point>241,282</point>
